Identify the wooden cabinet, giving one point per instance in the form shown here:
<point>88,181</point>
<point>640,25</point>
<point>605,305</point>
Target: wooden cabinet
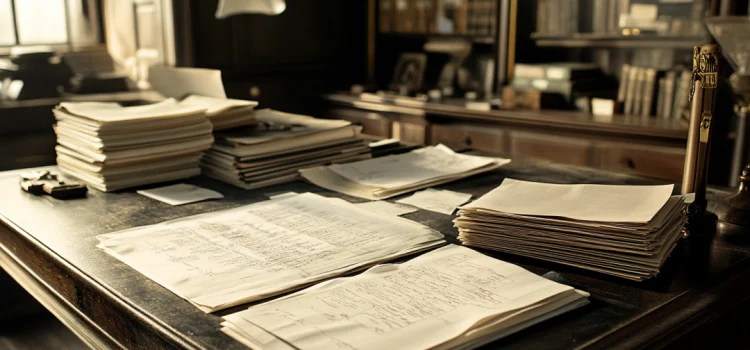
<point>653,161</point>
<point>559,149</point>
<point>479,137</point>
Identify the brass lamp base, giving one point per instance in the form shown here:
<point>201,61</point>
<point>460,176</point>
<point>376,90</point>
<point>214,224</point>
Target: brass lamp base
<point>734,212</point>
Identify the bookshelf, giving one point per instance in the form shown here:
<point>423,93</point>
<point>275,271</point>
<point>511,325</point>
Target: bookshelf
<point>477,39</point>
<point>583,40</point>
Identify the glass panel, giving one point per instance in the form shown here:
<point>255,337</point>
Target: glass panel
<point>7,30</point>
<point>41,22</point>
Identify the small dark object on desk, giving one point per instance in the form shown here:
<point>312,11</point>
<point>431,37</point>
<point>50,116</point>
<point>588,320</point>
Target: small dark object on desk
<point>734,211</point>
<point>44,182</point>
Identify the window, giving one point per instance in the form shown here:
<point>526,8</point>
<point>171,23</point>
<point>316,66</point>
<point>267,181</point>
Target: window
<point>49,22</point>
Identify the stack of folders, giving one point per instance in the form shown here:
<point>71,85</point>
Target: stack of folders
<point>224,113</point>
<point>389,176</point>
<point>450,298</point>
<point>625,231</point>
<point>273,151</point>
<point>111,147</point>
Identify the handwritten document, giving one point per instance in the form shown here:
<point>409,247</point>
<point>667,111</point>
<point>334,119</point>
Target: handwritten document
<point>230,257</point>
<point>440,299</point>
<point>605,203</point>
<point>409,168</point>
<point>386,207</point>
<point>439,201</point>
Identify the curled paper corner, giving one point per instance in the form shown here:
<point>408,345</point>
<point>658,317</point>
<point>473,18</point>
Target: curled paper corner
<point>228,8</point>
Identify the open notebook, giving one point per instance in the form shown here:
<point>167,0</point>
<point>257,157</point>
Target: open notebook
<point>449,298</point>
<point>226,258</point>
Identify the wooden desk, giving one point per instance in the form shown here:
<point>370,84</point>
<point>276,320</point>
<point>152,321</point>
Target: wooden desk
<point>49,247</point>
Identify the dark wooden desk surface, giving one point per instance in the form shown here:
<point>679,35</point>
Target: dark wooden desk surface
<point>50,245</point>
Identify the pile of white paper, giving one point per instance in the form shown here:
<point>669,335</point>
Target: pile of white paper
<point>625,231</point>
<point>111,147</point>
<point>226,258</point>
<point>389,176</point>
<point>224,113</point>
<point>280,144</point>
<point>450,298</point>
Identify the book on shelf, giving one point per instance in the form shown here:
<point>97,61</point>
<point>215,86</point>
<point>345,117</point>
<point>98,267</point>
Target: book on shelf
<point>638,91</point>
<point>622,90</point>
<point>386,21</point>
<point>670,82</point>
<point>650,91</point>
<point>660,101</point>
<point>630,92</point>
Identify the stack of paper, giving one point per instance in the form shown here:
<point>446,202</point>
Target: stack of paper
<point>450,298</point>
<point>226,258</point>
<point>393,175</point>
<point>280,144</point>
<point>626,231</point>
<point>224,113</point>
<point>111,147</point>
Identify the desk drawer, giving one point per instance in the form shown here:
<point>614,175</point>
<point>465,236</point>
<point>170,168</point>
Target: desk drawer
<point>483,138</point>
<point>653,161</point>
<point>559,149</point>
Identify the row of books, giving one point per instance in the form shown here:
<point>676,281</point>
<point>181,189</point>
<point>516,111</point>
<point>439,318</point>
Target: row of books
<point>561,17</point>
<point>471,17</point>
<point>557,17</point>
<point>650,92</point>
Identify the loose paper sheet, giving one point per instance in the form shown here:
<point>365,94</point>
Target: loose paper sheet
<point>180,194</point>
<point>179,82</point>
<point>439,201</point>
<point>604,203</point>
<point>386,207</point>
<point>105,112</point>
<point>281,195</point>
<point>423,303</point>
<point>226,258</point>
<point>215,105</point>
<point>408,168</point>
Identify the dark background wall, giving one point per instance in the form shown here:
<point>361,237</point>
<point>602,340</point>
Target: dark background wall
<point>311,48</point>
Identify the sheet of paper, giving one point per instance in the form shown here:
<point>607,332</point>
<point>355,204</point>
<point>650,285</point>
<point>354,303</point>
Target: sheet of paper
<point>281,195</point>
<point>408,168</point>
<point>180,194</point>
<point>287,125</point>
<point>225,258</point>
<point>387,208</point>
<point>215,105</point>
<point>179,82</point>
<point>112,112</point>
<point>439,201</point>
<point>605,203</point>
<point>420,304</point>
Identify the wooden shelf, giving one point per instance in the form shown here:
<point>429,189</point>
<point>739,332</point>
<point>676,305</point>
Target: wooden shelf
<point>618,41</point>
<point>479,39</point>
